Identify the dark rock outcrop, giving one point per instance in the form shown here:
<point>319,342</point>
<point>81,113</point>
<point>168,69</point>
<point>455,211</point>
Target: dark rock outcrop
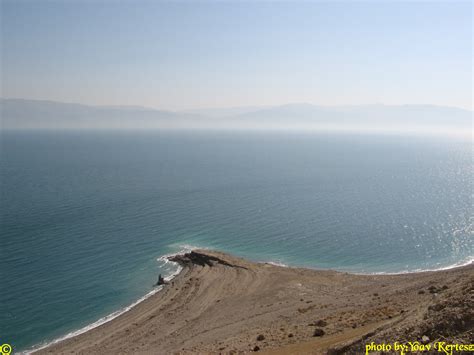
<point>318,332</point>
<point>196,258</point>
<point>161,281</point>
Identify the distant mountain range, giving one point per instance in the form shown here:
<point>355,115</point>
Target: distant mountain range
<point>36,114</point>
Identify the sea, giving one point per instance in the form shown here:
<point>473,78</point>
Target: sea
<point>88,216</point>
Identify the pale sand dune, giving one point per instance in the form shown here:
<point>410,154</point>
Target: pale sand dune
<point>221,304</point>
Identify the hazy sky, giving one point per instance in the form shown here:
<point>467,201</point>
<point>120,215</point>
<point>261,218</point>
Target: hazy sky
<point>179,55</point>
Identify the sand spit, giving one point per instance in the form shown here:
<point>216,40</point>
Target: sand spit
<point>223,304</point>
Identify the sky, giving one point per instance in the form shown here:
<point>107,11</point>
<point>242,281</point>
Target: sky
<point>200,54</point>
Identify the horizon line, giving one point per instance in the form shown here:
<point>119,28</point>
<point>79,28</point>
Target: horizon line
<point>263,106</point>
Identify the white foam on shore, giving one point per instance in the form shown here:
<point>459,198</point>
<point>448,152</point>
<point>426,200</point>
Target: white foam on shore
<point>185,248</point>
<point>97,323</point>
<point>275,263</point>
<point>164,259</point>
<point>469,260</point>
<point>466,262</point>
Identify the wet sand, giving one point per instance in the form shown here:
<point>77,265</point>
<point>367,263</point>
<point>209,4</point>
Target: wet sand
<point>223,304</point>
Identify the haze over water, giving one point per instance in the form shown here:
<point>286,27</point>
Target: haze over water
<point>85,216</point>
<point>125,136</point>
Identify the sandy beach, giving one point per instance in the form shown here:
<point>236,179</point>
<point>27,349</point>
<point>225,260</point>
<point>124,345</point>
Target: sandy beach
<point>223,304</point>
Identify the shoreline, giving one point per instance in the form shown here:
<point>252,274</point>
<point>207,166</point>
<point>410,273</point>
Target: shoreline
<point>457,265</point>
<point>107,318</point>
<point>224,264</point>
<point>187,249</point>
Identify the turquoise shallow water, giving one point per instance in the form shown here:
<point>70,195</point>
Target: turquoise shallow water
<point>85,216</point>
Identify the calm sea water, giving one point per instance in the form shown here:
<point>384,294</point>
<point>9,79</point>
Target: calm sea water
<point>85,216</point>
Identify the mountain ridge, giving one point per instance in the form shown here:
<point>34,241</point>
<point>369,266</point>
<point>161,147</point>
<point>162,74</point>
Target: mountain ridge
<point>19,113</point>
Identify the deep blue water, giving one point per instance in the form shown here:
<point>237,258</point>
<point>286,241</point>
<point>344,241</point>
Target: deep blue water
<point>84,216</point>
